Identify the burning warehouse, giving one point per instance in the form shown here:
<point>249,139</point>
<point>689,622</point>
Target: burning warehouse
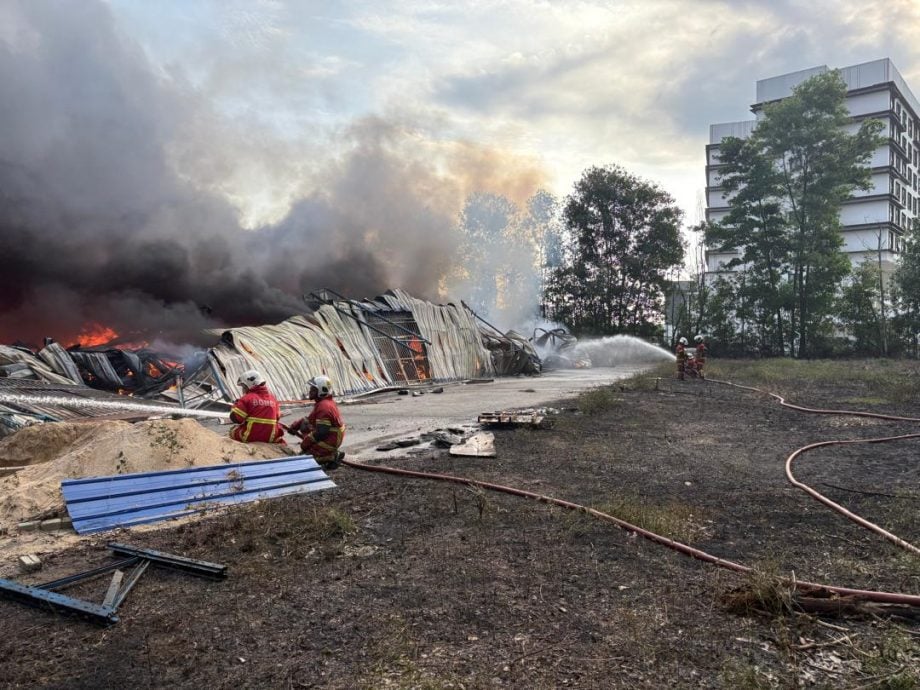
<point>393,340</point>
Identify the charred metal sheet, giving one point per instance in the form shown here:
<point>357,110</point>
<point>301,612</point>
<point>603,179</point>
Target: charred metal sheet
<point>100,503</point>
<point>60,361</point>
<point>17,356</point>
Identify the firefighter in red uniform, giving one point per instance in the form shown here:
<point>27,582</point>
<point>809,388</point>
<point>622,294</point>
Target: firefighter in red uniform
<point>256,414</point>
<point>700,355</point>
<point>323,430</point>
<point>681,354</point>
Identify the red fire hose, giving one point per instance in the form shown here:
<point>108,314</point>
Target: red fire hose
<point>798,585</point>
<point>804,449</point>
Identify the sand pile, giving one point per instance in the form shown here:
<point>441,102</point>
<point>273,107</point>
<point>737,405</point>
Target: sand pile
<point>42,442</point>
<point>95,449</point>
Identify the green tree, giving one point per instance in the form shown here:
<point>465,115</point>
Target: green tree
<point>623,238</point>
<point>757,227</point>
<point>906,291</point>
<point>859,310</point>
<point>790,177</point>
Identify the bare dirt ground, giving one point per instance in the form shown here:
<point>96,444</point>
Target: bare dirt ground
<point>391,582</point>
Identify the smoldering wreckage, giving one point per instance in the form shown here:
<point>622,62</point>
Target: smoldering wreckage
<point>82,427</point>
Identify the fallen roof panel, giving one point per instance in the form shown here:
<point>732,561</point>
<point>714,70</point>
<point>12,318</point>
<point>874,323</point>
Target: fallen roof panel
<point>101,503</point>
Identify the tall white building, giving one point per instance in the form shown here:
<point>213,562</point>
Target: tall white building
<point>875,90</point>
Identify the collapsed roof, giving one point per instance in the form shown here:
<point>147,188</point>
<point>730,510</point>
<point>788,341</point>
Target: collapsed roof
<point>392,340</point>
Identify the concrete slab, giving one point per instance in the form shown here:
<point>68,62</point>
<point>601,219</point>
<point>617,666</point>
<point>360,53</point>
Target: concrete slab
<point>389,416</point>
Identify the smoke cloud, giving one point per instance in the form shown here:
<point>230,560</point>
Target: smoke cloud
<point>119,194</point>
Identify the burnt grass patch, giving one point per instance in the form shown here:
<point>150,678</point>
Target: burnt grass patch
<point>394,582</point>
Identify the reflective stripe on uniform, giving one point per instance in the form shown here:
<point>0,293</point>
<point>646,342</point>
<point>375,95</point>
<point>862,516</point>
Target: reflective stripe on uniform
<point>260,420</point>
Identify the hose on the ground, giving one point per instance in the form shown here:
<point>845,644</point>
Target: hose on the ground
<point>898,541</point>
<point>798,585</point>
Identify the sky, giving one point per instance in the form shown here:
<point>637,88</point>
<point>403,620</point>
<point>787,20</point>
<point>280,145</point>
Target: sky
<point>559,86</point>
<point>178,165</point>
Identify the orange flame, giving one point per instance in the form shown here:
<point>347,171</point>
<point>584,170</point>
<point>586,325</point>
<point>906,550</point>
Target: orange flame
<point>94,334</point>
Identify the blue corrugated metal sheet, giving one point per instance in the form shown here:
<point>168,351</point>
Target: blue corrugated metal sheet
<point>100,503</point>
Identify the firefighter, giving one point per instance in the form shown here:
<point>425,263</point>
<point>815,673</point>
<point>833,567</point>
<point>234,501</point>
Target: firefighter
<point>700,355</point>
<point>681,354</point>
<point>257,413</point>
<point>323,430</point>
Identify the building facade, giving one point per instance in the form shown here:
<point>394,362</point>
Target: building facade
<point>873,221</point>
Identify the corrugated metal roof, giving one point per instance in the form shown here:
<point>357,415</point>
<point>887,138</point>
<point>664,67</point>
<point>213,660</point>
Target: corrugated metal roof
<point>101,503</point>
<point>326,342</point>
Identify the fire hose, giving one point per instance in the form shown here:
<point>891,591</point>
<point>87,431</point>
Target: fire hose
<point>797,585</point>
<point>821,444</point>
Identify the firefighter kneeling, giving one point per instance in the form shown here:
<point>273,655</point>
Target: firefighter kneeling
<point>256,414</point>
<point>323,430</point>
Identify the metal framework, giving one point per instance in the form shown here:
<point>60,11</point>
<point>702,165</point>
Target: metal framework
<point>44,597</point>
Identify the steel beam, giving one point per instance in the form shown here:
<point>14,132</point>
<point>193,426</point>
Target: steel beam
<point>88,574</point>
<point>44,599</point>
<point>213,571</point>
<point>135,575</point>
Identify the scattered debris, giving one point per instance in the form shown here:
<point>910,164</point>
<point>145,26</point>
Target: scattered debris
<point>417,394</point>
<point>557,347</point>
<point>406,442</point>
<point>534,418</point>
<point>440,389</point>
<point>445,439</point>
<point>29,563</point>
<point>481,445</point>
<point>44,596</point>
<point>387,447</point>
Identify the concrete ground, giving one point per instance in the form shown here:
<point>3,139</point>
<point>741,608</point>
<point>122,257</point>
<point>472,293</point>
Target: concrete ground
<point>389,416</point>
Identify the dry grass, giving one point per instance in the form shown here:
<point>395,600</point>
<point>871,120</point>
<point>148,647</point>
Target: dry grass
<point>597,400</point>
<point>883,381</point>
<point>674,520</point>
<point>764,591</point>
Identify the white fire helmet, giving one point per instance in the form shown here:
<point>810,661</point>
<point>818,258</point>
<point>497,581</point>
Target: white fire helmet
<point>698,338</point>
<point>682,341</point>
<point>251,378</point>
<point>323,385</point>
